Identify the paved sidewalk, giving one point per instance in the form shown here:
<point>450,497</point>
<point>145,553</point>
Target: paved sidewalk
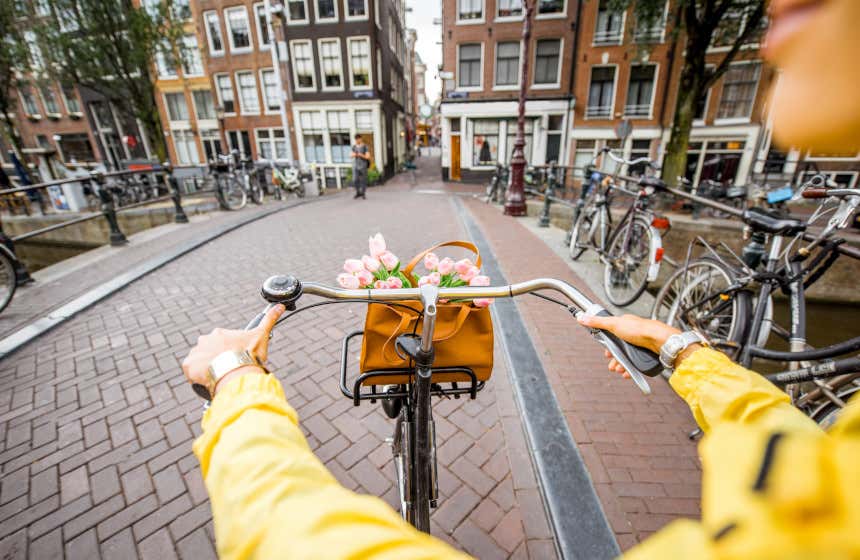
<point>645,470</point>
<point>96,421</point>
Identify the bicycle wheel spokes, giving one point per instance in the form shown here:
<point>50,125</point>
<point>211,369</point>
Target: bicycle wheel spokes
<point>625,272</point>
<point>8,281</point>
<point>234,195</point>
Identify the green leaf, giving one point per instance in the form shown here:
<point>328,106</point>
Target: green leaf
<point>396,269</point>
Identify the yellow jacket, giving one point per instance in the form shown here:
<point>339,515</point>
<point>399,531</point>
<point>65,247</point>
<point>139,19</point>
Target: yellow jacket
<point>272,498</point>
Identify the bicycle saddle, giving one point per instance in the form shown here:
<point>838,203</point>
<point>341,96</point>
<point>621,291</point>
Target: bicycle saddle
<point>760,220</point>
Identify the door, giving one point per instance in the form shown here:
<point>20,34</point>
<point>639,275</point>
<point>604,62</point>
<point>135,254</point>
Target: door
<point>455,157</point>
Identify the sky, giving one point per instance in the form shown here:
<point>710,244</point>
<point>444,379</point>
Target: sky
<point>421,20</point>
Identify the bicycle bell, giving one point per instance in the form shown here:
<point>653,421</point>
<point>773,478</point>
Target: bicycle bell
<point>282,289</point>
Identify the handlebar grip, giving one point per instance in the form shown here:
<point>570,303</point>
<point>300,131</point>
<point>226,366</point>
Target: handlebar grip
<point>814,193</point>
<point>642,359</point>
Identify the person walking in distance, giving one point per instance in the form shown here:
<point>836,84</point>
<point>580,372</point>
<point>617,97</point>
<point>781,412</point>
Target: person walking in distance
<point>360,163</point>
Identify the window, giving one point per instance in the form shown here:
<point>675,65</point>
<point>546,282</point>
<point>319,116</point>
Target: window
<point>36,58</point>
<point>249,103</point>
<point>240,31</point>
<point>186,149</point>
<point>211,140</point>
<point>76,148</point>
<point>28,101</point>
<point>204,104</point>
<point>225,93</point>
<point>50,101</point>
<point>303,65</point>
<point>356,9</point>
<point>180,9</point>
<point>213,33</point>
<point>547,54</point>
<point>554,130</point>
<point>470,10</point>
<point>508,63</point>
<point>264,36</point>
<point>297,11</point>
<point>582,156</point>
<point>716,160</point>
<point>338,126</point>
<point>332,68</point>
<point>651,32</point>
<point>177,108</point>
<point>359,63</point>
<point>485,149</point>
<point>364,121</point>
<point>601,92</point>
<point>312,136</point>
<point>191,63</point>
<point>640,91</point>
<point>239,140</point>
<point>610,25</point>
<point>271,143</point>
<point>509,8</point>
<point>547,7</point>
<point>164,62</point>
<point>739,89</point>
<point>702,107</point>
<point>271,91</point>
<point>528,129</point>
<point>639,149</point>
<point>469,70</point>
<point>378,69</point>
<point>73,106</point>
<point>326,10</point>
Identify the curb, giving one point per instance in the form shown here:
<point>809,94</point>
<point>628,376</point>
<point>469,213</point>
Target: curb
<point>36,328</point>
<point>574,510</point>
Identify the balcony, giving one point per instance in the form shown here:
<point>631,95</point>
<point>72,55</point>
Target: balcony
<point>598,112</point>
<point>638,111</point>
<point>649,35</point>
<point>610,37</point>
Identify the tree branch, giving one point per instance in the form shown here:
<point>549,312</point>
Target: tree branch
<point>750,26</point>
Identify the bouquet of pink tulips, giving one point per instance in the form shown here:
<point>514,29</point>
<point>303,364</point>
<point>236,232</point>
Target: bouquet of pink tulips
<point>381,270</point>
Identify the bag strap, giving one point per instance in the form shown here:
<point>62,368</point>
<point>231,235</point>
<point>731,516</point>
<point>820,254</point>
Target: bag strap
<point>420,256</point>
<point>406,319</point>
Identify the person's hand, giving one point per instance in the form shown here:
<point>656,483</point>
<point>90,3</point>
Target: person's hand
<point>646,333</point>
<point>196,364</point>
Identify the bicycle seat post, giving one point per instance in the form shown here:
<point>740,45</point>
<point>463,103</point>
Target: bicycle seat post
<point>429,297</point>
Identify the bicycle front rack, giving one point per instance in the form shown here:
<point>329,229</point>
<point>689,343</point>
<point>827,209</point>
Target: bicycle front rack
<point>357,395</point>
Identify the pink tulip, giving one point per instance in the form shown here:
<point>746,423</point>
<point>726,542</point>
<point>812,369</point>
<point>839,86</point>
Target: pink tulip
<point>480,281</point>
<point>365,278</point>
<point>462,266</point>
<point>381,284</point>
<point>431,262</point>
<point>347,281</point>
<point>433,278</point>
<point>482,302</point>
<point>395,283</point>
<point>469,273</point>
<point>377,245</point>
<point>370,263</point>
<point>446,265</point>
<point>388,259</point>
<point>353,265</point>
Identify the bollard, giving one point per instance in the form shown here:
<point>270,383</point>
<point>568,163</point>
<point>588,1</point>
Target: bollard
<point>548,194</point>
<point>171,183</point>
<point>108,210</point>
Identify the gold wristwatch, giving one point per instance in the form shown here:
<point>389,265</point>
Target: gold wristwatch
<point>221,365</point>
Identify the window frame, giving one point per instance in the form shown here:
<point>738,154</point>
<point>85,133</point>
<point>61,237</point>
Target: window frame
<point>50,114</point>
<point>310,45</point>
<point>197,116</point>
<point>606,43</point>
<point>366,40</point>
<point>317,17</point>
<point>614,91</point>
<point>502,19</point>
<point>480,85</point>
<point>654,82</point>
<point>271,140</point>
<point>212,51</point>
<point>219,98</point>
<point>557,83</point>
<point>291,21</point>
<point>192,36</point>
<point>748,118</point>
<point>348,17</point>
<point>189,138</point>
<point>265,97</point>
<point>554,15</point>
<point>323,85</point>
<point>233,48</point>
<point>65,97</point>
<point>170,120</point>
<point>242,110</point>
<point>477,21</point>
<point>270,31</point>
<point>507,87</point>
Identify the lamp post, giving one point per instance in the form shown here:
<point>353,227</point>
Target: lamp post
<point>219,114</point>
<point>515,204</point>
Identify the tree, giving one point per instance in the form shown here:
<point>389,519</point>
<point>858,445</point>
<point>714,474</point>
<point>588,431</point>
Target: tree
<point>12,55</point>
<point>697,25</point>
<point>108,46</point>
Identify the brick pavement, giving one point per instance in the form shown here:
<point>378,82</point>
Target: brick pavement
<point>96,421</point>
<point>645,470</point>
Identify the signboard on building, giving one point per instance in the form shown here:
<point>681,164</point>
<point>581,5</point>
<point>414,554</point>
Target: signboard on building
<point>458,95</point>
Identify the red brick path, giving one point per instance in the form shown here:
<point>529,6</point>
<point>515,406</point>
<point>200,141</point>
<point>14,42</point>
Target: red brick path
<point>644,468</point>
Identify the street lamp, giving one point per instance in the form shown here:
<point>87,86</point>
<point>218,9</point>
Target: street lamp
<point>219,114</point>
<point>515,204</point>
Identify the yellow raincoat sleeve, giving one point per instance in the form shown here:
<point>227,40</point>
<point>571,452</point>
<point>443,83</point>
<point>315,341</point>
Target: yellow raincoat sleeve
<point>272,498</point>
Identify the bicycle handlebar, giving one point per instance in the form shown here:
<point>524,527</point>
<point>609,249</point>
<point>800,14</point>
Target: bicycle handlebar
<point>621,160</point>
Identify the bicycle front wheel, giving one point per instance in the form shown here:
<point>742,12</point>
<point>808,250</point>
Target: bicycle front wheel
<point>579,236</point>
<point>625,269</point>
<point>8,280</point>
<point>233,196</point>
<point>256,189</point>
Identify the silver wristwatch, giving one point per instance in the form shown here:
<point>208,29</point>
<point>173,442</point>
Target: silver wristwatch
<point>221,365</point>
<point>676,344</point>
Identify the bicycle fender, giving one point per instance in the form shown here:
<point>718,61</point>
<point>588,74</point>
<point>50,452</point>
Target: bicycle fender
<point>656,247</point>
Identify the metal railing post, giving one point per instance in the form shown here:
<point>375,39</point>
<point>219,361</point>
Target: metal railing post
<point>108,210</point>
<point>171,183</point>
<point>547,196</point>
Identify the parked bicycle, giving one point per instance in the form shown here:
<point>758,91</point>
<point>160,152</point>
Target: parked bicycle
<point>631,250</point>
<point>9,265</point>
<point>229,190</point>
<point>250,178</point>
<point>413,443</point>
<point>728,297</point>
<point>498,185</point>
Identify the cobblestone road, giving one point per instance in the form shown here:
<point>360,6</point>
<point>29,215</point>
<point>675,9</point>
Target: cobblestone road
<point>96,422</point>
